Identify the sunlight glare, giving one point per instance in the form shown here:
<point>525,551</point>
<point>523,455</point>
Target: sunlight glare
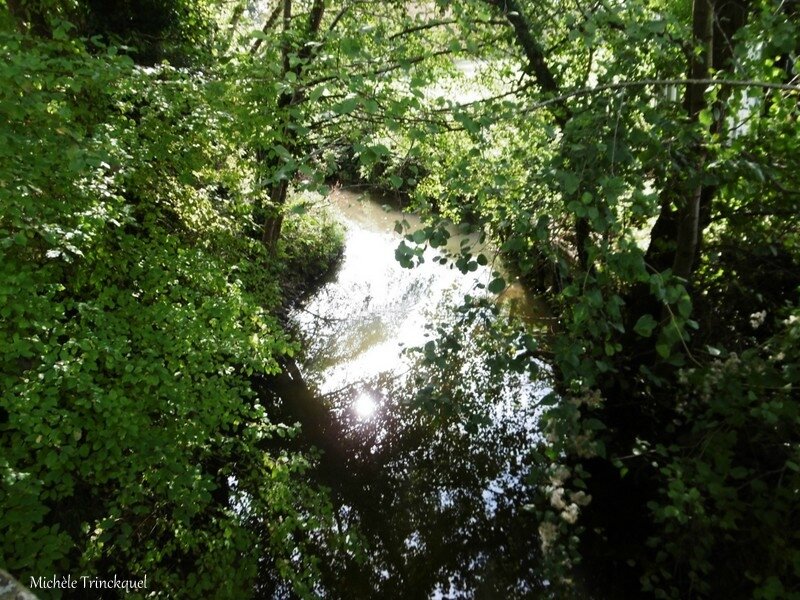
<point>364,406</point>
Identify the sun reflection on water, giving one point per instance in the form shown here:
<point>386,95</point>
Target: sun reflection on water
<point>364,406</point>
<point>417,480</point>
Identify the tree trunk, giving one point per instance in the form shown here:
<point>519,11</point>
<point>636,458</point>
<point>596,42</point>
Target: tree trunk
<point>273,215</point>
<point>273,223</point>
<point>688,233</point>
<point>679,233</point>
<point>538,67</point>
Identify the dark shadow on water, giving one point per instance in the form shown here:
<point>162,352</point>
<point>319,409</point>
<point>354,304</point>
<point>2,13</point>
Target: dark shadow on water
<point>437,504</point>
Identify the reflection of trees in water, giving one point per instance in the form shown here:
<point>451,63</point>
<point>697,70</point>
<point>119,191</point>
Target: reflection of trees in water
<point>434,482</point>
<point>433,517</point>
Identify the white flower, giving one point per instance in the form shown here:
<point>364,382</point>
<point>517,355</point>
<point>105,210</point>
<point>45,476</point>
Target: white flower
<point>570,514</point>
<point>559,476</point>
<point>757,319</point>
<point>557,499</point>
<point>594,399</point>
<point>580,498</point>
<point>548,532</point>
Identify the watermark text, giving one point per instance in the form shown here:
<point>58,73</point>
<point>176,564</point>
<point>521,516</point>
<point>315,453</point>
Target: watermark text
<point>86,582</point>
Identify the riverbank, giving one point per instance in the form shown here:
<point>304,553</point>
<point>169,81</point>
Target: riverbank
<point>311,247</point>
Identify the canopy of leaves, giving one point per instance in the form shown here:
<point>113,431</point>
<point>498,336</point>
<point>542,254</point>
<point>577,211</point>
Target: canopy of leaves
<point>582,165</point>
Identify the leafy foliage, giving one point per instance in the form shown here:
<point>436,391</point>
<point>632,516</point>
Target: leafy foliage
<point>135,310</point>
<point>634,163</point>
<point>583,166</point>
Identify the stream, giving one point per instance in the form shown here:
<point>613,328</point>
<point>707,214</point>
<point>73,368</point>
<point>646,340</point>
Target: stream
<point>427,464</point>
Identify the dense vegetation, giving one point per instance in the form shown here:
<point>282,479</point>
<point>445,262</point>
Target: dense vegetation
<point>634,162</point>
<point>135,308</point>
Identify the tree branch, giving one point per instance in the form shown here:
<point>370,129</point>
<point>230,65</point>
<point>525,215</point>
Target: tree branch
<point>267,26</point>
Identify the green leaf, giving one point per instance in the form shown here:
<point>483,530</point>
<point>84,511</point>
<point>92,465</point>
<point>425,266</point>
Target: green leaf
<point>514,244</point>
<point>571,182</point>
<point>645,325</point>
<point>497,285</point>
<point>419,236</point>
<point>345,107</point>
<point>739,472</point>
<point>685,307</point>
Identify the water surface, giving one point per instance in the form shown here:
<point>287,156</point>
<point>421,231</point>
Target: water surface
<point>433,462</point>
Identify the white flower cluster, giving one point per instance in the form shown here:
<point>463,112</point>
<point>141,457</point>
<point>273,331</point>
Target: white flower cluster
<point>568,504</point>
<point>570,514</point>
<point>559,474</point>
<point>757,319</point>
<point>548,532</point>
<point>584,446</point>
<point>718,372</point>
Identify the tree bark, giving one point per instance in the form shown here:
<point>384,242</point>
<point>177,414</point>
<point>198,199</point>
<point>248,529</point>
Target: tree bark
<point>267,26</point>
<point>534,53</point>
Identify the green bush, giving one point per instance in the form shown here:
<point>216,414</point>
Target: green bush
<point>311,245</point>
<point>134,312</point>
